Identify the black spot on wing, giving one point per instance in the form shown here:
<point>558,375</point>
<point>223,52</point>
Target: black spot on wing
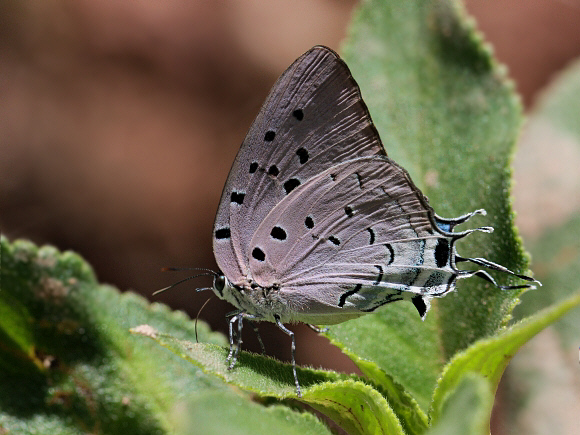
<point>298,114</point>
<point>223,233</point>
<point>253,167</point>
<point>345,295</point>
<point>258,254</point>
<point>359,179</point>
<point>379,275</point>
<point>269,136</point>
<point>302,153</point>
<point>309,222</point>
<point>334,240</point>
<point>420,305</point>
<point>273,170</point>
<point>387,300</point>
<point>372,236</point>
<point>238,197</point>
<point>442,252</point>
<point>278,233</point>
<point>291,184</point>
<point>391,253</point>
<point>348,211</point>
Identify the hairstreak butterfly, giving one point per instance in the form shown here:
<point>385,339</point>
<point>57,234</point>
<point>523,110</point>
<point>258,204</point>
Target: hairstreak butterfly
<point>316,224</point>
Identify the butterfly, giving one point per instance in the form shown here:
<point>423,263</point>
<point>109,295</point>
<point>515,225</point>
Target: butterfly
<point>316,224</point>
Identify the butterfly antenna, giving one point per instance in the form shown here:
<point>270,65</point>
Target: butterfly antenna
<point>177,269</point>
<point>199,312</point>
<point>208,272</point>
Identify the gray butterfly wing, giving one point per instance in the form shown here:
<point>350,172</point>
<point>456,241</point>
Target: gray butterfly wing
<point>313,117</point>
<point>354,237</point>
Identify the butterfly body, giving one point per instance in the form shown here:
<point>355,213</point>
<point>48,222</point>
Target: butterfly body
<point>316,224</point>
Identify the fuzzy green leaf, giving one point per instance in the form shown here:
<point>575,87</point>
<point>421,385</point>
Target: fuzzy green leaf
<point>447,113</point>
<point>212,413</point>
<point>70,365</point>
<point>489,357</point>
<point>466,410</point>
<point>353,405</point>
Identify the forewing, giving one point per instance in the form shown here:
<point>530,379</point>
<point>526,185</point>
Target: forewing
<point>313,118</point>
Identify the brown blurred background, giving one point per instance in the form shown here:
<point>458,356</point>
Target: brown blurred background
<point>119,121</point>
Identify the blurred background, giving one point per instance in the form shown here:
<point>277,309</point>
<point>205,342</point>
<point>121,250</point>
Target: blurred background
<point>119,122</point>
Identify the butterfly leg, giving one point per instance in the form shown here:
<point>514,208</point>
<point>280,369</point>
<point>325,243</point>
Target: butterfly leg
<point>233,354</point>
<point>293,348</point>
<point>255,328</point>
<point>316,328</point>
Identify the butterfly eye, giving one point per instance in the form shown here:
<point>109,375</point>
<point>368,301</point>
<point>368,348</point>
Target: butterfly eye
<point>219,284</point>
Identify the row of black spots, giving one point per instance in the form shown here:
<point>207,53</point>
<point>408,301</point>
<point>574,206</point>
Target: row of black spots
<point>380,274</point>
<point>391,253</point>
<point>223,233</point>
<point>237,197</point>
<point>278,233</point>
<point>271,134</point>
<point>348,210</point>
<point>442,252</point>
<point>258,254</point>
<point>345,295</point>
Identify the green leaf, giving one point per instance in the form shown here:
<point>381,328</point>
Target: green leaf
<point>489,357</point>
<point>447,113</point>
<point>70,365</point>
<point>352,404</point>
<point>252,372</point>
<point>466,410</point>
<point>212,413</point>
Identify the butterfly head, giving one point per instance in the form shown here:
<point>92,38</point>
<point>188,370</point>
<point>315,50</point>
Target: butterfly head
<point>220,282</point>
<point>225,290</point>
